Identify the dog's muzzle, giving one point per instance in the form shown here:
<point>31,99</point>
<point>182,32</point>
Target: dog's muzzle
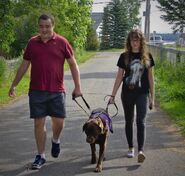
<point>90,139</point>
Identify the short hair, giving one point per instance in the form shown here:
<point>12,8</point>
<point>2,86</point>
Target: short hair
<point>46,17</point>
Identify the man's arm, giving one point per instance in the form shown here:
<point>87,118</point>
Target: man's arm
<point>20,73</point>
<point>76,76</point>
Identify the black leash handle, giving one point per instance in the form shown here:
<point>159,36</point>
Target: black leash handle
<point>110,104</point>
<point>87,105</point>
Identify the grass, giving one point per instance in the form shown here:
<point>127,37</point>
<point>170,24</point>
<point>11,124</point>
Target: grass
<point>176,111</point>
<point>170,90</point>
<point>21,89</point>
<point>113,50</point>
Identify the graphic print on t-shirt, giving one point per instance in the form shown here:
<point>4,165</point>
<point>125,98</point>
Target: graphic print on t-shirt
<point>136,71</point>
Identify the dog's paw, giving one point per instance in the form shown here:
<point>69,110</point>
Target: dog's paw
<point>98,168</point>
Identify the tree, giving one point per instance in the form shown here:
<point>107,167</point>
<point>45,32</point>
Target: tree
<point>18,21</point>
<point>7,23</point>
<point>92,42</point>
<point>105,30</point>
<point>119,17</point>
<point>174,13</point>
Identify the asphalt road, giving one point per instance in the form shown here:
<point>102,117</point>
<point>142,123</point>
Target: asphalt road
<point>164,147</point>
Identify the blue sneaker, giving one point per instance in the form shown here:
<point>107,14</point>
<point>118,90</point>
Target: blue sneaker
<point>55,150</point>
<point>38,163</point>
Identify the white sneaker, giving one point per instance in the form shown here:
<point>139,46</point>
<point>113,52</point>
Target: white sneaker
<point>130,153</point>
<point>141,157</point>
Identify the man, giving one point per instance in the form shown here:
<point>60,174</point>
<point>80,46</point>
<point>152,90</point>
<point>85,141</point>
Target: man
<point>46,54</point>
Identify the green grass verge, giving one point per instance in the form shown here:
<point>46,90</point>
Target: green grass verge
<point>112,50</point>
<point>176,111</point>
<point>21,89</point>
<point>170,90</point>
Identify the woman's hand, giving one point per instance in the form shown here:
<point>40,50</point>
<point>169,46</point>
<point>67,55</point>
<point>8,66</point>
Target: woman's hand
<point>111,99</point>
<point>151,103</point>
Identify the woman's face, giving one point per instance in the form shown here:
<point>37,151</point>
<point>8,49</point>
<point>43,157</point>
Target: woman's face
<point>135,44</point>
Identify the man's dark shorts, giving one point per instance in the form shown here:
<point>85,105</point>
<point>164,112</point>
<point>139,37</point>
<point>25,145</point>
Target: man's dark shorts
<point>44,103</point>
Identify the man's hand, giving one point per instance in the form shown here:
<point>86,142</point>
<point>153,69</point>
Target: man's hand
<point>11,92</point>
<point>76,93</point>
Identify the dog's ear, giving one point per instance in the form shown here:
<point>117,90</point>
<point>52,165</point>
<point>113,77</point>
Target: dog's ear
<point>104,126</point>
<point>84,127</point>
<point>100,125</point>
<point>105,129</point>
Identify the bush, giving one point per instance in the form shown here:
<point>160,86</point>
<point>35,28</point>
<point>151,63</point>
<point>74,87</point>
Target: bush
<point>3,68</point>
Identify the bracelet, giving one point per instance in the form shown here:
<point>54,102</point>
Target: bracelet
<point>112,96</point>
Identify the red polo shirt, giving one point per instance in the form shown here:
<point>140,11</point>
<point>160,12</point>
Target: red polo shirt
<point>47,62</point>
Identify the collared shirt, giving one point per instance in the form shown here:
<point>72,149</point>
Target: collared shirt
<point>47,62</point>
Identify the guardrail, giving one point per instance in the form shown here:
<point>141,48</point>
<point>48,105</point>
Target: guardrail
<point>171,54</point>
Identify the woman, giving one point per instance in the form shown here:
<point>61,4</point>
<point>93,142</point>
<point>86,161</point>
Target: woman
<point>135,70</point>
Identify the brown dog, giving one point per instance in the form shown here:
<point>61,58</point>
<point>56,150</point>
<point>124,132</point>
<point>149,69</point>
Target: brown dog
<point>97,129</point>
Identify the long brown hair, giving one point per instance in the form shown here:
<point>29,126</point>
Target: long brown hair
<point>137,34</point>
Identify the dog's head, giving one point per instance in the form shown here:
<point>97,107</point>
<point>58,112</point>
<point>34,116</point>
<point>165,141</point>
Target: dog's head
<point>93,128</point>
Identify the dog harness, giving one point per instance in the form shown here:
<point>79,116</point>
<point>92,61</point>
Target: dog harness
<point>105,116</point>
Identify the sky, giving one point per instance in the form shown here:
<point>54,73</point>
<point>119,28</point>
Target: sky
<point>156,23</point>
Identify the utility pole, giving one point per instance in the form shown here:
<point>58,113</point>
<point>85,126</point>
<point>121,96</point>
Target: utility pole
<point>147,20</point>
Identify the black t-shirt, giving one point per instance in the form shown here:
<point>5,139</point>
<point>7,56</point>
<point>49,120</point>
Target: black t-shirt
<point>136,74</point>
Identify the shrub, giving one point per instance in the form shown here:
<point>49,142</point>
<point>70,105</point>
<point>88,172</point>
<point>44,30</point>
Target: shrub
<point>3,68</point>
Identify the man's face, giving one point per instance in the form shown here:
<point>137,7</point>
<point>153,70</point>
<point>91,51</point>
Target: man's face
<point>45,29</point>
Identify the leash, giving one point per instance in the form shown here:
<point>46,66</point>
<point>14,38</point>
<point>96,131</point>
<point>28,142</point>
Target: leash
<point>110,104</point>
<point>87,105</point>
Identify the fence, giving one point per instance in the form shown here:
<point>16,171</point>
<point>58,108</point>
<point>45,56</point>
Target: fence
<point>171,54</point>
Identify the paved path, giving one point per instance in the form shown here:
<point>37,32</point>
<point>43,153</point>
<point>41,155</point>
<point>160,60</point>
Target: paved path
<point>165,148</point>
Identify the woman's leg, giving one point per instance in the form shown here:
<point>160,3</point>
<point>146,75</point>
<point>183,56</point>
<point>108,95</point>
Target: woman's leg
<point>141,110</point>
<point>128,106</point>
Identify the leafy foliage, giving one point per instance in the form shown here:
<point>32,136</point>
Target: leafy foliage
<point>7,24</point>
<point>18,20</point>
<point>174,13</point>
<point>3,68</point>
